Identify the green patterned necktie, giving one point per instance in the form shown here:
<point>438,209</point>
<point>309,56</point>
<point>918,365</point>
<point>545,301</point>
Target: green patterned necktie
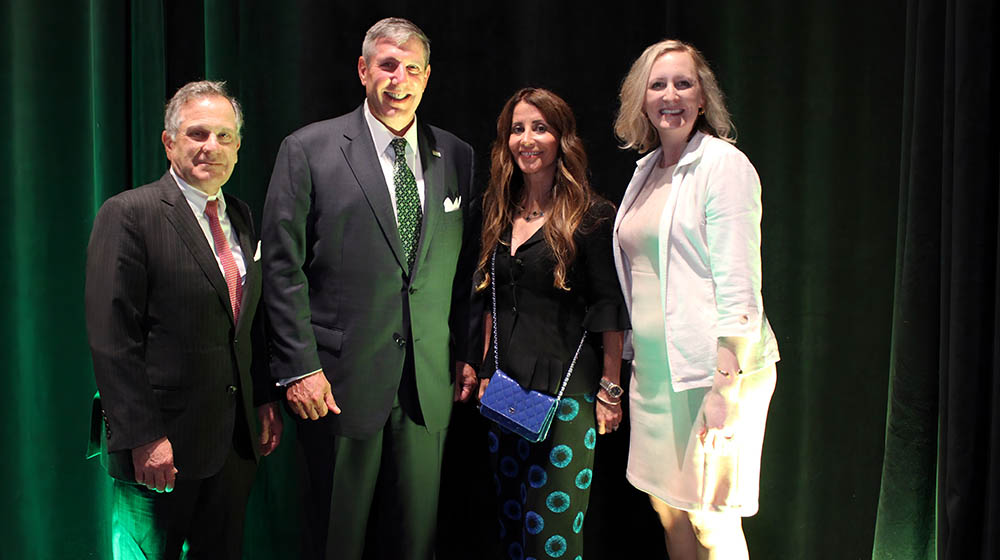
<point>408,213</point>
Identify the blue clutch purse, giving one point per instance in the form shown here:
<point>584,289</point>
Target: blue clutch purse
<point>525,412</point>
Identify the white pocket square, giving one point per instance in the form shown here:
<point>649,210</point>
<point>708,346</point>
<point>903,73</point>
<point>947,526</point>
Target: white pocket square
<point>452,205</point>
<point>256,255</point>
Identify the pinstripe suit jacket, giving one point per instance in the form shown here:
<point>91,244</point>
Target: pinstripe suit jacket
<point>168,358</point>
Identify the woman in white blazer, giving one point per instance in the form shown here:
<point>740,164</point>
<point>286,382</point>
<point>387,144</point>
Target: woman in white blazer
<point>687,251</point>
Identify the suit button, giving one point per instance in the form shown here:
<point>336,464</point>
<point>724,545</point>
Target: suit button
<point>400,341</point>
<point>231,389</point>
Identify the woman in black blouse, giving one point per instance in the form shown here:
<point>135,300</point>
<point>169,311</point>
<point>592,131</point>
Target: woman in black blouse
<point>555,278</point>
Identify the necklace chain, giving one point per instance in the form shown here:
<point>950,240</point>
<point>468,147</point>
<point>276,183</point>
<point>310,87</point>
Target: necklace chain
<point>528,216</point>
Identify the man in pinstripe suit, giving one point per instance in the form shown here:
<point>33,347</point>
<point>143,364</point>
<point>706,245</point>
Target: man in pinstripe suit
<point>173,281</point>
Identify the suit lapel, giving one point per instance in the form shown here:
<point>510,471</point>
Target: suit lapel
<point>434,190</point>
<point>360,154</point>
<point>179,214</point>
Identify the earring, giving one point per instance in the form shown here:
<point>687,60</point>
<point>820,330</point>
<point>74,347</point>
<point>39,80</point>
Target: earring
<point>701,110</point>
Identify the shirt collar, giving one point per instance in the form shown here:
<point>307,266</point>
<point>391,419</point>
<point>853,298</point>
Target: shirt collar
<point>197,198</point>
<point>382,136</point>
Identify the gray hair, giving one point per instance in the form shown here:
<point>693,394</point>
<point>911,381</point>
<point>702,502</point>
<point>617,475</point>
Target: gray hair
<point>397,30</point>
<point>198,90</point>
<point>632,126</point>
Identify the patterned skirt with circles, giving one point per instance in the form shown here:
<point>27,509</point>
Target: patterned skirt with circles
<point>543,488</point>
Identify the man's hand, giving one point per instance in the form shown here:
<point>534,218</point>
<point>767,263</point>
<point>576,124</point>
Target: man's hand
<point>154,465</point>
<point>271,426</point>
<point>311,397</point>
<point>466,382</point>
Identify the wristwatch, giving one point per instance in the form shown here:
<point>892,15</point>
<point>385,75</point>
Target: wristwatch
<point>614,391</point>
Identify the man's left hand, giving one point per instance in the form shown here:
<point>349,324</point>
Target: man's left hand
<point>271,426</point>
<point>466,382</point>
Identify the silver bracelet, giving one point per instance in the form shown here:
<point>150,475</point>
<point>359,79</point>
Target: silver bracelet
<point>607,402</point>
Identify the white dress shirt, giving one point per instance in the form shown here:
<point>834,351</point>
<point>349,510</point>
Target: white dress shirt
<point>197,200</point>
<point>382,138</point>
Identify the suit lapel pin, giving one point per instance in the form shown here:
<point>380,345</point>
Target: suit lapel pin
<point>435,153</point>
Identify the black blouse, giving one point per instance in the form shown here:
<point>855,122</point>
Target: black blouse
<point>540,325</point>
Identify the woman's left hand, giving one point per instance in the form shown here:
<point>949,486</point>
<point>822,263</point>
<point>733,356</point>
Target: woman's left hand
<point>608,417</point>
<point>719,414</point>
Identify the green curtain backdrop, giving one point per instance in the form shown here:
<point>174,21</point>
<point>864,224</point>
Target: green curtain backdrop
<point>816,92</point>
<point>939,498</point>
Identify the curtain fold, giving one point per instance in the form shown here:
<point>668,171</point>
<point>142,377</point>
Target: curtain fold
<point>147,74</point>
<point>939,498</point>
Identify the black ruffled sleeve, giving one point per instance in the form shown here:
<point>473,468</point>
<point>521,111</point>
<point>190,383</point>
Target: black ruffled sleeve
<point>606,309</point>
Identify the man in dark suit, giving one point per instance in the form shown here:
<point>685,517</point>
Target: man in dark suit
<point>369,248</point>
<point>173,283</point>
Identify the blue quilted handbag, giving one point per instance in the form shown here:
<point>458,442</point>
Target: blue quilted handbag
<point>525,412</point>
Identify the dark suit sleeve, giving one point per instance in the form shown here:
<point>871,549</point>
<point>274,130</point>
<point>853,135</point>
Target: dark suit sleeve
<point>283,250</point>
<point>467,305</point>
<point>264,389</point>
<point>115,296</point>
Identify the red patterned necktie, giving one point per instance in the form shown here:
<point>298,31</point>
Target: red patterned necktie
<point>226,256</point>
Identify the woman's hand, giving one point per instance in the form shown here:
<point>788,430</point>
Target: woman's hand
<point>608,416</point>
<point>483,383</point>
<point>720,410</point>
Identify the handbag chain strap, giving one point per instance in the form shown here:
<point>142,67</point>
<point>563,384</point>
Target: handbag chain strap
<point>496,349</point>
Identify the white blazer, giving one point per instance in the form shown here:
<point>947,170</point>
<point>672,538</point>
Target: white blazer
<point>709,261</point>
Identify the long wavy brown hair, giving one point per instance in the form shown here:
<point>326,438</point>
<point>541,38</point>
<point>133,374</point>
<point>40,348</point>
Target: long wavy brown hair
<point>571,193</point>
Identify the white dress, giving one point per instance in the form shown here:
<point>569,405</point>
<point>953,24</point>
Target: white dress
<point>666,457</point>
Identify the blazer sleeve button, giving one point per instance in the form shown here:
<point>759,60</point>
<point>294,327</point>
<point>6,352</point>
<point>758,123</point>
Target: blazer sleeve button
<point>400,341</point>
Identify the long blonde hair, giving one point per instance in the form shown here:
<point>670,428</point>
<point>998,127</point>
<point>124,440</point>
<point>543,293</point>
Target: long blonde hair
<point>632,126</point>
<point>571,192</point>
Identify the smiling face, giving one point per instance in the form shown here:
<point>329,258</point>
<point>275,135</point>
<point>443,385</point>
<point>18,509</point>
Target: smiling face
<point>533,143</point>
<point>203,152</point>
<point>394,79</point>
<point>673,95</point>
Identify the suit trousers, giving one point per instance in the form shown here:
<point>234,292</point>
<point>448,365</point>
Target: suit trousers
<point>206,515</point>
<point>373,498</point>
